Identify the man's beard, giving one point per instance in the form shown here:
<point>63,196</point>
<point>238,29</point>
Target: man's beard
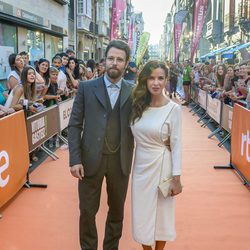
<point>114,73</point>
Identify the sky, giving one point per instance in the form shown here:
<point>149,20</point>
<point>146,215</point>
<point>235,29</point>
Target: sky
<point>154,15</point>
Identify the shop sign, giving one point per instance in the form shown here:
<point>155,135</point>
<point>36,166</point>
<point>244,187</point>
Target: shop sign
<point>29,16</point>
<point>6,8</point>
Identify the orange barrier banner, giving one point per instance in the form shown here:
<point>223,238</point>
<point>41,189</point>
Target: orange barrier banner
<point>240,143</point>
<point>14,155</point>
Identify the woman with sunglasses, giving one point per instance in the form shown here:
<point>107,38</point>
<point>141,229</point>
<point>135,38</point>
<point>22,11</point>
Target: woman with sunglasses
<point>240,92</point>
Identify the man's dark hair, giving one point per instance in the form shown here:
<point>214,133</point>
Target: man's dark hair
<point>119,44</point>
<point>64,54</point>
<point>70,51</point>
<point>91,64</point>
<point>56,57</point>
<point>23,53</point>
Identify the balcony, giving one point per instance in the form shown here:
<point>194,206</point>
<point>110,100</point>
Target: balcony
<point>83,22</point>
<point>93,28</point>
<point>214,31</point>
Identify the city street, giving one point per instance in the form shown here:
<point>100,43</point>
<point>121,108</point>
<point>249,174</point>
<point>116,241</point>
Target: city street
<point>212,212</point>
<point>81,81</point>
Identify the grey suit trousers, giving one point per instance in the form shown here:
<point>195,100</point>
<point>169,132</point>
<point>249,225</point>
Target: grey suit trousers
<point>89,196</point>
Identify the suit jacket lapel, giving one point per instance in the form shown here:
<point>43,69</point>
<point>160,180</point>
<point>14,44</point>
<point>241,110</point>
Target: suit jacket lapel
<point>125,93</point>
<point>100,92</point>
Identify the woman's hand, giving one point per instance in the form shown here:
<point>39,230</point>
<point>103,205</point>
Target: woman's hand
<point>233,97</point>
<point>175,187</point>
<point>5,94</point>
<point>68,71</point>
<point>167,144</point>
<point>32,109</point>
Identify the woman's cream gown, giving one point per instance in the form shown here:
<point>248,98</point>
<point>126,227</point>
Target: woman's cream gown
<point>153,216</point>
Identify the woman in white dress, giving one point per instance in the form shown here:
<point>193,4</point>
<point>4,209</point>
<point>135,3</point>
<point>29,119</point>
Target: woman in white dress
<point>156,125</point>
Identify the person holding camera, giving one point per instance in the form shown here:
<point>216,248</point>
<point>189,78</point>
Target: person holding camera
<point>130,73</point>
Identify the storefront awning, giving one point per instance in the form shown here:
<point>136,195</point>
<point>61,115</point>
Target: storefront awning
<point>218,51</point>
<point>237,48</point>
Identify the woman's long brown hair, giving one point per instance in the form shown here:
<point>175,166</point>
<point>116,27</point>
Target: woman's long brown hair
<point>29,90</point>
<point>141,95</point>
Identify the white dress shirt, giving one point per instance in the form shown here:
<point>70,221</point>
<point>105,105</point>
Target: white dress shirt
<point>113,90</point>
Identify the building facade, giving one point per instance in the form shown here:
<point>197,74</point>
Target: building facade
<point>103,8</point>
<point>227,24</point>
<point>33,28</point>
<point>87,29</point>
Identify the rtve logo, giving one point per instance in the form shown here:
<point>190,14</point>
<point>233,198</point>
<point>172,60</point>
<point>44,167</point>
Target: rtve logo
<point>5,156</point>
<point>245,142</point>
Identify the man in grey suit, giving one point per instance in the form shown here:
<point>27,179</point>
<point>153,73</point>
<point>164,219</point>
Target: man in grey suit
<point>101,145</point>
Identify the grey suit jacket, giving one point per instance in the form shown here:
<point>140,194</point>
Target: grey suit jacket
<point>87,126</point>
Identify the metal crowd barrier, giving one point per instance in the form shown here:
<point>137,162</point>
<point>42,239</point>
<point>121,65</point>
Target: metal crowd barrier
<point>213,110</point>
<point>236,121</point>
<point>19,137</point>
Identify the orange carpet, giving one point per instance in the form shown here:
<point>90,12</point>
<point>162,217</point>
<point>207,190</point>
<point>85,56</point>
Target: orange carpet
<point>213,212</point>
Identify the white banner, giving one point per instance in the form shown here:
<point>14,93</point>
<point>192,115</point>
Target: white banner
<point>227,117</point>
<point>214,108</point>
<point>202,99</point>
<point>64,113</point>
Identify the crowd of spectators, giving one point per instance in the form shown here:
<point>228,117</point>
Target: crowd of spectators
<point>34,88</point>
<point>45,83</point>
<point>227,82</point>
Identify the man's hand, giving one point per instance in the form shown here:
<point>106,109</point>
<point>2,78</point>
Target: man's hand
<point>77,171</point>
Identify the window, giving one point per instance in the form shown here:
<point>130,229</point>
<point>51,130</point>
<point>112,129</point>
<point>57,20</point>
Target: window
<point>106,11</point>
<point>8,45</point>
<point>53,45</point>
<point>35,45</point>
<point>80,7</point>
<point>71,9</point>
<point>89,8</point>
<point>86,55</point>
<point>84,7</point>
<point>56,45</point>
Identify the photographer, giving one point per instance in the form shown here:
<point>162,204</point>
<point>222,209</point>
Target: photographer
<point>130,73</point>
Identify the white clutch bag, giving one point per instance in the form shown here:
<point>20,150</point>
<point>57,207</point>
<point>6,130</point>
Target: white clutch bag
<point>164,187</point>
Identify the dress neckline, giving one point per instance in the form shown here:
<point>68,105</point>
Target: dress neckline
<point>160,106</point>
